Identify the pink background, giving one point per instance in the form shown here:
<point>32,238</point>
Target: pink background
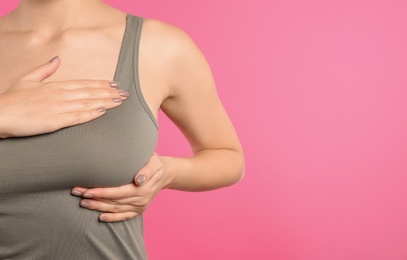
<point>317,92</point>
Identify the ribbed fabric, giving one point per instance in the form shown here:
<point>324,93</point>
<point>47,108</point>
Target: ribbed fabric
<point>39,219</point>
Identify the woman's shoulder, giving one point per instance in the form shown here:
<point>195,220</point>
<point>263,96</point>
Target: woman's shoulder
<point>166,38</point>
<point>168,51</point>
<point>167,42</point>
<point>162,29</point>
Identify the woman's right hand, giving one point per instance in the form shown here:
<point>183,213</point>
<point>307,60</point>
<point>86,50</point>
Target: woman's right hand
<point>31,106</point>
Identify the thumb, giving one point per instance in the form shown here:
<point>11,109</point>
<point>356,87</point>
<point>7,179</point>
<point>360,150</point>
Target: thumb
<point>140,179</point>
<point>44,71</point>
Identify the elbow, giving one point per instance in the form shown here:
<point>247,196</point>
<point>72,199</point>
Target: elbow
<point>239,169</point>
<point>242,172</point>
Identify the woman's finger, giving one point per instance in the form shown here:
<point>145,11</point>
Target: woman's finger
<point>78,191</point>
<point>109,206</point>
<point>85,83</point>
<point>116,217</point>
<point>75,118</point>
<point>43,71</point>
<point>153,166</point>
<point>113,193</point>
<point>94,94</point>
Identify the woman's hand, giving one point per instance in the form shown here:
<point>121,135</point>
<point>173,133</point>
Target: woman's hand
<point>31,106</point>
<point>127,201</point>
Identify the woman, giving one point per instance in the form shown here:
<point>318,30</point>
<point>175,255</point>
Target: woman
<point>61,133</point>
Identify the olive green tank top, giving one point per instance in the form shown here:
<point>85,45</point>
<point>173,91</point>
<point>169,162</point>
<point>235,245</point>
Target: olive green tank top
<point>39,219</point>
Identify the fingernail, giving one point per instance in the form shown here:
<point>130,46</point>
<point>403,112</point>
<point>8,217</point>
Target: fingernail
<point>103,218</point>
<point>53,59</point>
<point>76,193</point>
<point>114,84</point>
<point>102,109</point>
<point>123,93</point>
<point>117,100</point>
<point>85,204</point>
<point>87,195</point>
<point>140,179</point>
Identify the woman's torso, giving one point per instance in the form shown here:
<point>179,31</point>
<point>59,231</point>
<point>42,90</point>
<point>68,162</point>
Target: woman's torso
<point>39,219</point>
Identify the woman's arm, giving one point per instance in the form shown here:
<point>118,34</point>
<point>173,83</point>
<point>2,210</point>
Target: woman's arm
<point>193,105</point>
<point>188,97</point>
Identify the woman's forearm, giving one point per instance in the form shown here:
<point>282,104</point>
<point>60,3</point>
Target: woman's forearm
<point>206,170</point>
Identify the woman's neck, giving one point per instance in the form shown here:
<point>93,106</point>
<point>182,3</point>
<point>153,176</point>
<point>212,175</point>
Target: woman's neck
<point>52,16</point>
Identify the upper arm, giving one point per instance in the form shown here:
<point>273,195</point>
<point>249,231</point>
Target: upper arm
<point>191,100</point>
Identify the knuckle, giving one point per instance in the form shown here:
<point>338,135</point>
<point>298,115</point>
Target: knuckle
<point>130,215</point>
<point>120,193</point>
<point>116,208</point>
<point>105,83</point>
<point>100,83</point>
<point>91,93</point>
<point>85,104</point>
<point>143,202</point>
<point>77,117</point>
<point>108,103</point>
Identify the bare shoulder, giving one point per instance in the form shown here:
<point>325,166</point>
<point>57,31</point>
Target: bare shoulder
<point>172,45</point>
<point>172,51</point>
<point>167,37</point>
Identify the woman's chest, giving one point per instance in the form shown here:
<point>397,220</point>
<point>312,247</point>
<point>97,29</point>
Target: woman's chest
<point>104,152</point>
<point>87,56</point>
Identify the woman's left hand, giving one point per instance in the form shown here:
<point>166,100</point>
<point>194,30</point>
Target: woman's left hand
<point>127,201</point>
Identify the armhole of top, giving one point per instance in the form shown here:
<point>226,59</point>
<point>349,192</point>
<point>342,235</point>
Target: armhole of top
<point>136,71</point>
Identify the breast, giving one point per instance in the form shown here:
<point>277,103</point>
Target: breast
<point>105,152</point>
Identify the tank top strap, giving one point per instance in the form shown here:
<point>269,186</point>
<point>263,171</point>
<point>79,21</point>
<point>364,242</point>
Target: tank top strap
<point>128,63</point>
<point>128,58</point>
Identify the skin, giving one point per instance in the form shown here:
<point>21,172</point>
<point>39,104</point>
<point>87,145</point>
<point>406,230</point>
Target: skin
<point>174,76</point>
